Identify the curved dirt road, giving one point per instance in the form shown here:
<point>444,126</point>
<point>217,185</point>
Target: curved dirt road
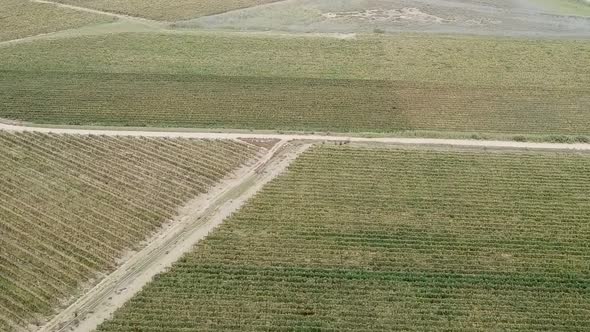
<point>306,137</point>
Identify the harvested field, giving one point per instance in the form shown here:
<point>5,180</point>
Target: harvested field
<point>167,10</point>
<point>358,239</point>
<point>23,18</point>
<point>379,84</point>
<point>72,206</point>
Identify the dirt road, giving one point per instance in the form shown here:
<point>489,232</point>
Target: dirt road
<point>100,12</point>
<point>308,137</point>
<point>200,218</point>
<point>206,213</point>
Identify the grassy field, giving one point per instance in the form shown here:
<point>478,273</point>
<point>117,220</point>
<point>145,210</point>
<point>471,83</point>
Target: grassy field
<point>567,7</point>
<point>167,10</point>
<point>357,239</point>
<point>20,19</point>
<point>71,206</point>
<point>373,83</point>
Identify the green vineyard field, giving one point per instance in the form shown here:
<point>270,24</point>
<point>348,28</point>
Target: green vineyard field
<point>157,100</point>
<point>21,19</point>
<point>72,206</point>
<point>378,239</point>
<point>369,84</point>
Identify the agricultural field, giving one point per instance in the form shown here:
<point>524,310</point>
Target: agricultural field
<point>367,84</point>
<point>23,18</point>
<point>566,7</point>
<point>167,10</point>
<point>516,18</point>
<point>375,239</point>
<point>71,207</point>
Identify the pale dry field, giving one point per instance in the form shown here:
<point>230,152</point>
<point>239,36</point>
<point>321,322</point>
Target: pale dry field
<point>72,206</point>
<point>524,18</point>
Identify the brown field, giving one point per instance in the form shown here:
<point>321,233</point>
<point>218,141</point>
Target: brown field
<point>72,206</point>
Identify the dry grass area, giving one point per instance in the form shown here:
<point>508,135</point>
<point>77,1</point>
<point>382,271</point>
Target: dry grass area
<point>71,206</point>
<point>167,10</point>
<point>378,239</point>
<point>23,18</point>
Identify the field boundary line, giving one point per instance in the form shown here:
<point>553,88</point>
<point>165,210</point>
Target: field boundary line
<point>32,38</point>
<point>101,12</point>
<point>487,144</point>
<point>232,10</point>
<point>203,215</point>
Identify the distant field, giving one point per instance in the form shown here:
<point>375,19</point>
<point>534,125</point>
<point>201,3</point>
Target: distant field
<point>567,7</point>
<point>23,18</point>
<point>373,83</point>
<point>355,239</point>
<point>70,206</point>
<point>167,10</point>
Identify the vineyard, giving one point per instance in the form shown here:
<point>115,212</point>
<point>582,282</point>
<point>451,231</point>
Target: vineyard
<point>371,84</point>
<point>72,206</point>
<point>380,239</point>
<point>313,104</point>
<point>22,18</point>
<point>166,10</point>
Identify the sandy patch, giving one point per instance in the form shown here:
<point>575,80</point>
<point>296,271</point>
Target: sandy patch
<point>391,15</point>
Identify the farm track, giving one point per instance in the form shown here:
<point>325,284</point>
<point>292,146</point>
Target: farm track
<point>101,12</point>
<point>201,217</point>
<point>491,144</point>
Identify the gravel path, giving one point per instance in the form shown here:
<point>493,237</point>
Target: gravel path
<point>306,137</point>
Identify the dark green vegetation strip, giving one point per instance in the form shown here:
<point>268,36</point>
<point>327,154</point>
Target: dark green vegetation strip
<point>380,84</point>
<point>71,206</point>
<point>354,239</point>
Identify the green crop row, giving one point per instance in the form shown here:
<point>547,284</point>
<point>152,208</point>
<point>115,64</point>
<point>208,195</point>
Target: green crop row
<point>379,239</point>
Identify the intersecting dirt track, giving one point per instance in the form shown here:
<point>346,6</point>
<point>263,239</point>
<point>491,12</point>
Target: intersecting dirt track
<point>305,137</point>
<point>200,218</point>
<point>208,212</point>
